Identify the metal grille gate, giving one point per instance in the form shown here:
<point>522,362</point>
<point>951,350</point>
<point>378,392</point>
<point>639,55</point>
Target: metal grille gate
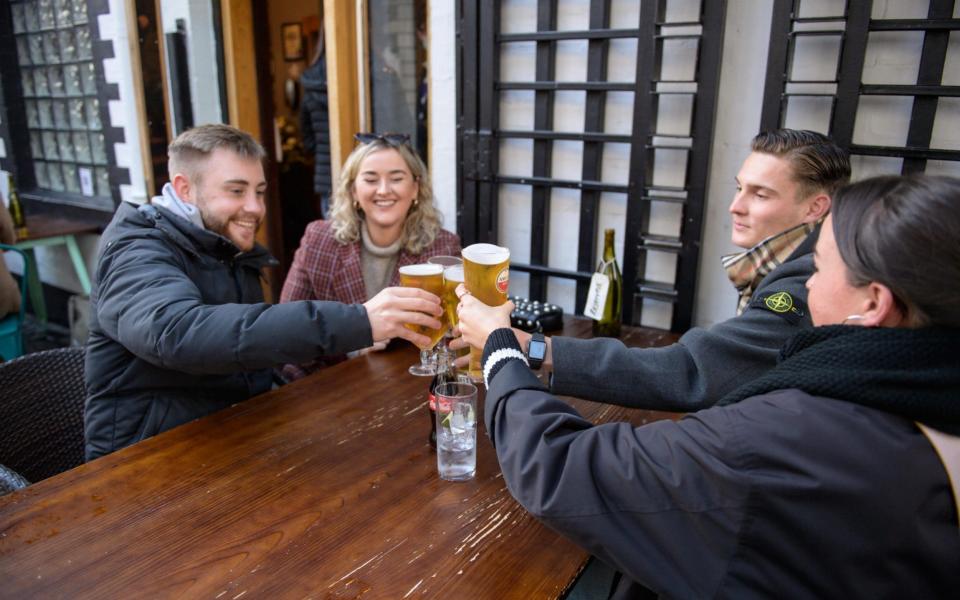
<point>479,40</point>
<point>845,90</point>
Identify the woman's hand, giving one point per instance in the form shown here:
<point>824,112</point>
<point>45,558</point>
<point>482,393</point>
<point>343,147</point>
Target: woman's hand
<point>477,320</point>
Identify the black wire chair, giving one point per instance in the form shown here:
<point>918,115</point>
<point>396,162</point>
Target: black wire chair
<point>41,414</point>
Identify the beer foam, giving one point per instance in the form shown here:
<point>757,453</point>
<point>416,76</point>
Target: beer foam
<point>454,273</point>
<point>421,270</point>
<point>486,254</point>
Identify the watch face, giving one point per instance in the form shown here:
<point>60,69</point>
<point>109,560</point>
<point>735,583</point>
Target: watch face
<point>537,349</point>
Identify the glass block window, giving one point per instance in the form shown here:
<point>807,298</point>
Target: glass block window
<point>58,76</point>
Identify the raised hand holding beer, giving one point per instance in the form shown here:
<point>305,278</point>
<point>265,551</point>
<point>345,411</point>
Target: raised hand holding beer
<point>426,277</point>
<point>478,321</point>
<point>486,271</point>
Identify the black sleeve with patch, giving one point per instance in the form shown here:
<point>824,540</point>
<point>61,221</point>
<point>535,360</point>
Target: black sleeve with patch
<point>781,303</point>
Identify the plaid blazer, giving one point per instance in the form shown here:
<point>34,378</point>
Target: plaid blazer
<point>325,269</point>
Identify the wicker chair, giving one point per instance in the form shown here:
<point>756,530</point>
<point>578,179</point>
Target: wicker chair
<point>41,413</point>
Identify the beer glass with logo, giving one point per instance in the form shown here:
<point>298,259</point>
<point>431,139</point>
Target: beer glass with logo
<point>430,278</point>
<point>486,270</point>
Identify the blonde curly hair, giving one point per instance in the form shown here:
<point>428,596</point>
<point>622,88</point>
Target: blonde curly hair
<point>423,221</point>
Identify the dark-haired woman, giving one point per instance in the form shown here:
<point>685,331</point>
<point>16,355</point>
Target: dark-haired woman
<point>813,481</point>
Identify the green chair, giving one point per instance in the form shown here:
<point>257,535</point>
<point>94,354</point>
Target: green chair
<point>11,342</point>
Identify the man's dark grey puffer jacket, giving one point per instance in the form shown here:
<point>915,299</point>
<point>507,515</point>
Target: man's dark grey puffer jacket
<point>178,328</point>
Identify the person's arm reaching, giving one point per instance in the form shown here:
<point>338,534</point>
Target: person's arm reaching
<point>148,304</point>
<point>662,503</point>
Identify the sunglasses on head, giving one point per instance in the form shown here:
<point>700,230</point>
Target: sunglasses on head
<point>390,139</point>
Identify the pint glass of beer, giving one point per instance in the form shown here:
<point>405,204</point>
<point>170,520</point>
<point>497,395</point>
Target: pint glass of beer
<point>486,270</point>
<point>430,278</point>
<point>452,277</point>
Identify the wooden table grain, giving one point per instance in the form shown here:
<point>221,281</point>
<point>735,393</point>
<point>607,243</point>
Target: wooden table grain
<point>326,488</point>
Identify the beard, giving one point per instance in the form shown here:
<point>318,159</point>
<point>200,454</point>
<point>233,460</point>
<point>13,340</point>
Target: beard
<point>221,225</point>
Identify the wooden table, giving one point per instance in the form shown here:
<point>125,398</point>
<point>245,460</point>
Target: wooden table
<point>325,488</point>
<point>45,229</point>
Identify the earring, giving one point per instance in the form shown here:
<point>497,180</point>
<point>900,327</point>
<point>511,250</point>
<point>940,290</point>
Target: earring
<point>416,201</point>
<point>851,318</point>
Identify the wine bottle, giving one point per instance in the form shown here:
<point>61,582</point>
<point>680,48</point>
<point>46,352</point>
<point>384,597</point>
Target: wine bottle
<point>16,211</point>
<point>608,323</point>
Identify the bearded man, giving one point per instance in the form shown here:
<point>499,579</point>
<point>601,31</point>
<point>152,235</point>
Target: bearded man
<point>178,326</point>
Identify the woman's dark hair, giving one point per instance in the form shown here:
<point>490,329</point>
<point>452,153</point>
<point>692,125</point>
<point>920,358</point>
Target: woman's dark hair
<point>904,232</point>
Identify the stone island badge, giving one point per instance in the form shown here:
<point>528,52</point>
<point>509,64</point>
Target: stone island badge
<point>780,302</point>
<point>783,304</point>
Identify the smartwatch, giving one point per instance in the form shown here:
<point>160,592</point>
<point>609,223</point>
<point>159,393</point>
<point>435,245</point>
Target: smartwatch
<point>536,350</point>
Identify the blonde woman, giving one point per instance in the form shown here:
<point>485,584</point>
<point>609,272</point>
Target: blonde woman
<point>382,218</point>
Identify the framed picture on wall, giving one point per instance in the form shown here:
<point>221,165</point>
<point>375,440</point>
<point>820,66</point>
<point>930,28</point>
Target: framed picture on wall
<point>292,35</point>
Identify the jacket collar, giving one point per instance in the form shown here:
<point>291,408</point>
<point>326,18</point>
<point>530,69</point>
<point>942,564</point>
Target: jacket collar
<point>747,269</point>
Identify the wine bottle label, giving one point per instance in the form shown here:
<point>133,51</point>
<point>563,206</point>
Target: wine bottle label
<point>597,296</point>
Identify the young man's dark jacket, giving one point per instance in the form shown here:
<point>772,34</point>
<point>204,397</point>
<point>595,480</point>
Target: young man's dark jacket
<point>705,364</point>
<point>178,328</point>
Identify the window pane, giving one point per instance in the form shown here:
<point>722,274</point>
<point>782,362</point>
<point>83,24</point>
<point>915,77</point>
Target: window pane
<point>98,148</point>
<point>56,177</point>
<point>93,114</point>
<point>40,85</point>
<point>88,75</point>
<point>36,144</point>
<point>78,119</point>
<point>71,76</point>
<point>36,49</point>
<point>26,80</point>
<point>79,11</point>
<point>81,147</point>
<point>30,17</point>
<point>46,15</point>
<point>66,147</point>
<point>45,108</point>
<point>68,45</point>
<point>50,145</point>
<point>55,77</point>
<point>60,118</point>
<point>50,52</point>
<point>23,51</point>
<point>70,180</point>
<point>103,182</point>
<point>40,171</point>
<point>64,17</point>
<point>84,51</point>
<point>19,25</point>
<point>33,118</point>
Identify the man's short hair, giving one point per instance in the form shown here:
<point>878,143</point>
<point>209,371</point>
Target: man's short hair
<point>190,150</point>
<point>818,163</point>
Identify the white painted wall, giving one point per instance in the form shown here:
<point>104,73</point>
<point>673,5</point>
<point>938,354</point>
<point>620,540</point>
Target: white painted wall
<point>442,96</point>
<point>739,101</point>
